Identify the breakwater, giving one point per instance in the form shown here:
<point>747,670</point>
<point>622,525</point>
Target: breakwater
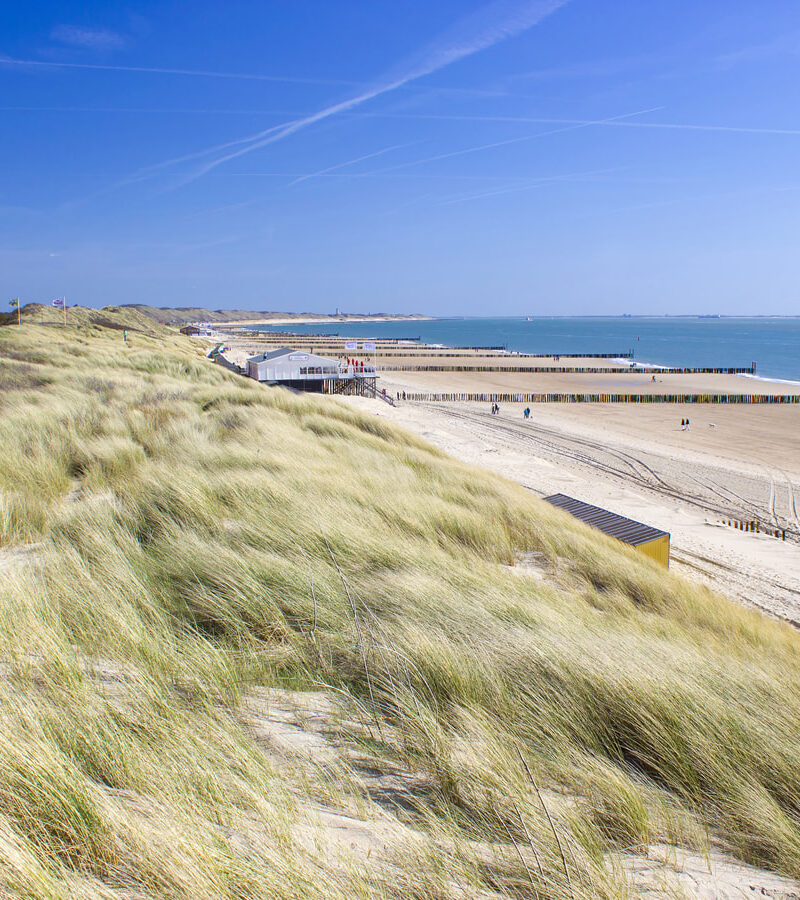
<point>460,352</point>
<point>572,370</point>
<point>601,398</point>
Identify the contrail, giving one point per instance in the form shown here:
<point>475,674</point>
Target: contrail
<point>350,162</point>
<point>532,185</point>
<point>244,76</point>
<point>533,120</point>
<point>518,140</point>
<point>436,117</point>
<point>356,175</point>
<point>490,25</point>
<point>155,70</point>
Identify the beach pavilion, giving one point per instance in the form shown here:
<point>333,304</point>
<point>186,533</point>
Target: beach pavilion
<point>310,372</point>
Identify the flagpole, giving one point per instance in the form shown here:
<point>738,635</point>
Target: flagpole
<point>19,313</point>
<point>65,311</point>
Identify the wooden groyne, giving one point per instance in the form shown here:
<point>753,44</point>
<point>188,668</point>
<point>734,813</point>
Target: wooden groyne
<point>601,398</point>
<point>461,353</point>
<point>260,337</point>
<point>571,370</point>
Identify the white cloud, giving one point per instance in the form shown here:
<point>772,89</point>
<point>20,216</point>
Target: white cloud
<point>92,38</point>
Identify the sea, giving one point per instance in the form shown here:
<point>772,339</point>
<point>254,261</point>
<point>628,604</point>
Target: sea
<point>773,344</point>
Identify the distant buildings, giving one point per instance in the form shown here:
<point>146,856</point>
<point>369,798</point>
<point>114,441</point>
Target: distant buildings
<point>197,330</point>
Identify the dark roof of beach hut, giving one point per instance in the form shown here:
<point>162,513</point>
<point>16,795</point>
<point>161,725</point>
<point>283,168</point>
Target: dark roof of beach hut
<point>628,530</point>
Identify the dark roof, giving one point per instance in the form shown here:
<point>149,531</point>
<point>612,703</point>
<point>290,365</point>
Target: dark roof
<point>274,354</point>
<point>288,351</point>
<point>627,530</point>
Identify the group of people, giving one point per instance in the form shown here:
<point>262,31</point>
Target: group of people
<point>684,424</point>
<point>526,413</point>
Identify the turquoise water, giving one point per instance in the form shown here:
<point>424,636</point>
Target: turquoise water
<point>773,344</point>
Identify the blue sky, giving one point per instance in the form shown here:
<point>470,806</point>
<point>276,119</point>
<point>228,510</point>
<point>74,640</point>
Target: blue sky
<point>539,157</point>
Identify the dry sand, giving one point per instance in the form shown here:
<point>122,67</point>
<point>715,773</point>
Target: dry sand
<point>639,382</point>
<point>636,461</point>
<point>736,463</point>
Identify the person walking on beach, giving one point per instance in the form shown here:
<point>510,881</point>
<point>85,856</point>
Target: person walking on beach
<point>683,424</point>
<point>687,424</point>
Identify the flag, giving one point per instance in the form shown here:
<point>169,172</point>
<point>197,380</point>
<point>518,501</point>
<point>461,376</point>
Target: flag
<point>351,345</point>
<point>369,345</point>
<point>59,301</point>
<point>14,302</point>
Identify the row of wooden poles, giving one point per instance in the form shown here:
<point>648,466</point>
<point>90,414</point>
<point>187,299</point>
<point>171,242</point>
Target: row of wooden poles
<point>601,398</point>
<point>571,370</point>
<point>756,527</point>
<point>461,352</point>
<point>393,345</point>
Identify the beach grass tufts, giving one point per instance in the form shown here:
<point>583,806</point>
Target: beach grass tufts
<point>174,537</point>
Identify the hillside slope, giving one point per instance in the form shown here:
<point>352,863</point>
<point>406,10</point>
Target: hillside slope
<point>111,317</point>
<point>180,315</point>
<point>180,548</point>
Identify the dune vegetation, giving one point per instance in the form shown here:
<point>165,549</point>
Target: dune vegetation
<point>175,540</point>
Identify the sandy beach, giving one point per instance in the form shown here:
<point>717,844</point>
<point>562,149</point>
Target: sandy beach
<point>582,383</point>
<point>636,461</point>
<point>737,463</point>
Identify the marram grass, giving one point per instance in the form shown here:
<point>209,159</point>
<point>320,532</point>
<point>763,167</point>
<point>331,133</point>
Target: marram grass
<point>188,535</point>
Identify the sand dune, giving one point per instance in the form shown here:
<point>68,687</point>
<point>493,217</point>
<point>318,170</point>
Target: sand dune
<point>636,461</point>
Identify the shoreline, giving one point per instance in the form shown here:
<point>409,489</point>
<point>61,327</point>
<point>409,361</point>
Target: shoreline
<point>326,320</point>
<point>511,353</point>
